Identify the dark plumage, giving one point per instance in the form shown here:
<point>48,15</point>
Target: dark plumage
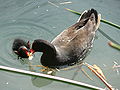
<point>72,45</point>
<point>21,48</point>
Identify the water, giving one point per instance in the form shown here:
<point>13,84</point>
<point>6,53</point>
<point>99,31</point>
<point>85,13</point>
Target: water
<point>33,19</point>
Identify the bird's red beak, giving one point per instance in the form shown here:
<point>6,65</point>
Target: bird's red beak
<point>30,54</point>
<point>32,51</point>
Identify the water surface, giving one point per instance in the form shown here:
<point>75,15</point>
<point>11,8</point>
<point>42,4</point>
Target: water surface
<point>33,19</point>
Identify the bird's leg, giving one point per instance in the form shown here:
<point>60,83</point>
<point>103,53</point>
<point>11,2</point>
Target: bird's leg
<point>33,69</point>
<point>41,70</point>
<point>45,69</point>
<point>38,66</point>
<point>30,66</point>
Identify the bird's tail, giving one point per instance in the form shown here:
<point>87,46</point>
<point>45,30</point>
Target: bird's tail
<point>90,15</point>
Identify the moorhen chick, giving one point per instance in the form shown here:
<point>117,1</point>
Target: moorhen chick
<point>22,49</point>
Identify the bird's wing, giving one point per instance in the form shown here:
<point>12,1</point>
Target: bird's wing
<point>79,35</point>
<point>67,35</point>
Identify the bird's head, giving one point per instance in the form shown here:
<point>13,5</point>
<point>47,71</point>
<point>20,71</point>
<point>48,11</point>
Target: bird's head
<point>24,52</point>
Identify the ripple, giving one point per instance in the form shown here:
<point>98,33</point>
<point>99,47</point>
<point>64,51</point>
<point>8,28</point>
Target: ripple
<point>23,29</point>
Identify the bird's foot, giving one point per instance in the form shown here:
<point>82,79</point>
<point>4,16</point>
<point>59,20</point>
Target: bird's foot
<point>45,69</point>
<point>38,66</point>
<point>41,70</point>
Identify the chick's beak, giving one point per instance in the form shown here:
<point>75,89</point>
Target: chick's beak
<point>30,55</point>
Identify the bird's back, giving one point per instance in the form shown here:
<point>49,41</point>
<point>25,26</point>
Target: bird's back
<point>77,40</point>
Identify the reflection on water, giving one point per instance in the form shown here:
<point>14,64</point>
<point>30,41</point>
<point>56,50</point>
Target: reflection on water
<point>33,19</point>
<point>39,81</point>
<point>24,61</point>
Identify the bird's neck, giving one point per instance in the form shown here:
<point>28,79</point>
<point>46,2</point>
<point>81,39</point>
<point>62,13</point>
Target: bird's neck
<point>43,46</point>
<point>49,55</point>
<point>49,49</point>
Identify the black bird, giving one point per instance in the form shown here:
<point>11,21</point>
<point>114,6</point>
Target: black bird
<point>21,48</point>
<point>72,45</point>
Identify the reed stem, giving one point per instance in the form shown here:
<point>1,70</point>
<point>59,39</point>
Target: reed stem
<point>114,45</point>
<point>102,20</point>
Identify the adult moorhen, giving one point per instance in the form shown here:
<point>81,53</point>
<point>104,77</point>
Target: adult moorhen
<point>72,45</point>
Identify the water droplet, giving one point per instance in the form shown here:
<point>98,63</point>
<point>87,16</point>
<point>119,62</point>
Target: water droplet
<point>7,83</point>
<point>38,6</point>
<point>47,10</point>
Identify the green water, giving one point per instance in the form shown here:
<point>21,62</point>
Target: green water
<point>33,19</point>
